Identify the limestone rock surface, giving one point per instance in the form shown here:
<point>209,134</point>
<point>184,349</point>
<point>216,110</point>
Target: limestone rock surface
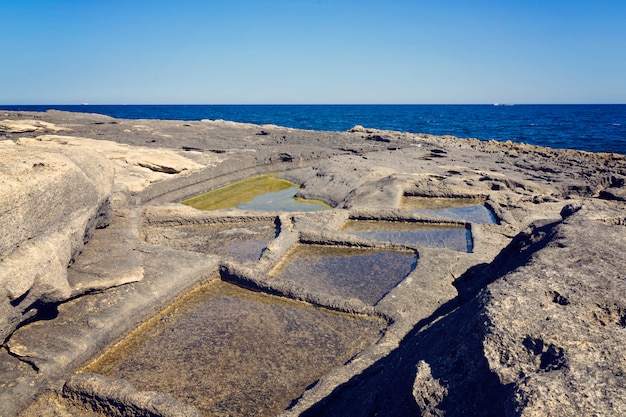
<point>52,202</point>
<point>136,167</point>
<point>120,398</point>
<point>23,126</point>
<point>567,355</point>
<point>526,319</point>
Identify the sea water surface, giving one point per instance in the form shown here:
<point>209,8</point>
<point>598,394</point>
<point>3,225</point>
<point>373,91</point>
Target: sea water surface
<point>588,127</point>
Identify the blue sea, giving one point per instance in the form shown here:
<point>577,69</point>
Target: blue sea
<point>588,127</point>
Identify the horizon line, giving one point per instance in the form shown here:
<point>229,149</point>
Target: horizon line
<point>496,104</point>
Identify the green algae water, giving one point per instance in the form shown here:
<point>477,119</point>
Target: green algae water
<point>263,192</point>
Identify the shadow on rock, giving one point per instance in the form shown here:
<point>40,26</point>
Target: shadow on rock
<point>517,253</point>
<point>438,371</point>
<point>440,368</point>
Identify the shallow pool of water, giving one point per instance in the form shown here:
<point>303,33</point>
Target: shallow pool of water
<point>471,210</point>
<point>452,237</point>
<point>283,200</point>
<point>365,274</point>
<point>229,351</point>
<point>263,193</point>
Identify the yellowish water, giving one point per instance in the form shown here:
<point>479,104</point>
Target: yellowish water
<point>242,192</point>
<point>232,195</point>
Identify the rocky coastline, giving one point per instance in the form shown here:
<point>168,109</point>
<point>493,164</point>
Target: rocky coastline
<point>97,256</point>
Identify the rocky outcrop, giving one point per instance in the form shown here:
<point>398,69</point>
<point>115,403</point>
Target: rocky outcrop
<point>136,167</point>
<point>541,334</point>
<point>24,126</point>
<point>115,397</point>
<point>52,201</point>
<point>529,321</point>
<point>566,356</point>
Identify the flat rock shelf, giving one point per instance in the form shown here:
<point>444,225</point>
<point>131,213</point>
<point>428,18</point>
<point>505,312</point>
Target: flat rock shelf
<point>440,276</point>
<point>238,240</point>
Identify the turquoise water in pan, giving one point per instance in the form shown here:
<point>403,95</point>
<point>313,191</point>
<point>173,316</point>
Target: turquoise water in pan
<point>281,201</point>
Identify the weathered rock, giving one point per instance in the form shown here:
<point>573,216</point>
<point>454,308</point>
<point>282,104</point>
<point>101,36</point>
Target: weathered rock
<point>467,333</point>
<point>614,193</point>
<point>54,199</point>
<point>114,397</point>
<point>111,258</point>
<point>428,392</point>
<point>135,166</point>
<point>23,126</point>
<point>566,357</point>
<point>544,337</point>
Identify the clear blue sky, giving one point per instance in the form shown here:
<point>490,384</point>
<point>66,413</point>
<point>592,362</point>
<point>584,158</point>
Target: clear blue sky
<point>312,51</point>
